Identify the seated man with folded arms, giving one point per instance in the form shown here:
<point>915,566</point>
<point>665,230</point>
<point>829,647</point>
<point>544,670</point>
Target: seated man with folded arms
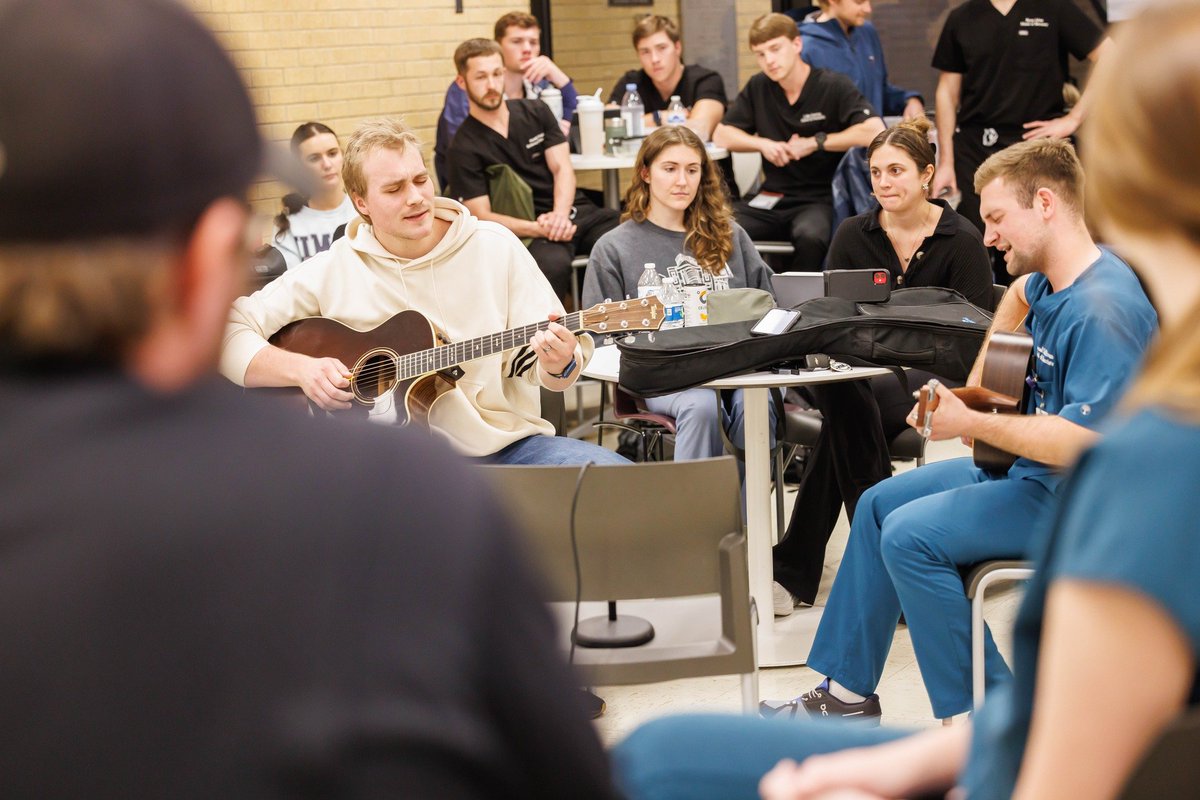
<point>840,37</point>
<point>663,74</point>
<point>469,277</point>
<point>1090,322</point>
<point>523,136</point>
<point>527,74</point>
<point>802,120</point>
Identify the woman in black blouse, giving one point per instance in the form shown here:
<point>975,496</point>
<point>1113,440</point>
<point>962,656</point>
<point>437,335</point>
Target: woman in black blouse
<point>921,242</point>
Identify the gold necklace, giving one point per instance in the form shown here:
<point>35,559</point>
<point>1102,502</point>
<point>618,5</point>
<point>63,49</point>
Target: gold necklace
<point>912,251</point>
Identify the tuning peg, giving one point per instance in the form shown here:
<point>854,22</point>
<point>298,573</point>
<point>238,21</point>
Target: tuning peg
<point>650,337</point>
<point>629,338</point>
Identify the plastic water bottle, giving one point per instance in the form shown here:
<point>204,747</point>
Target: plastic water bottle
<point>633,110</point>
<point>672,300</point>
<point>649,285</point>
<point>676,114</point>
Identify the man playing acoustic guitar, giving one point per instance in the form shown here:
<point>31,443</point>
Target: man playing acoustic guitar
<point>1090,322</point>
<point>469,278</point>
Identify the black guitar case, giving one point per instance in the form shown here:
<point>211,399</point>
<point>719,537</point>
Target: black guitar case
<point>934,329</point>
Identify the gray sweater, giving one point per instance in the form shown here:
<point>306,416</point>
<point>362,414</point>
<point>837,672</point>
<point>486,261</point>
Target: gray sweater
<point>617,261</point>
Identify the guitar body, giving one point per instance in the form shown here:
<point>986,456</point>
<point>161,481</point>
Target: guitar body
<point>371,356</point>
<point>406,357</point>
<point>1004,390</point>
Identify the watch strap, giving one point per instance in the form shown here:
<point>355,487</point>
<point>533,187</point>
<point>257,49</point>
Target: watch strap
<point>567,370</point>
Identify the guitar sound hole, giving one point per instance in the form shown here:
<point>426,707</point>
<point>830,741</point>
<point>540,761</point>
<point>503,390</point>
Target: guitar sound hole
<point>376,375</point>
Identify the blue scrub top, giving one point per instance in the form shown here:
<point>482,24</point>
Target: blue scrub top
<point>1127,519</point>
<point>1088,341</point>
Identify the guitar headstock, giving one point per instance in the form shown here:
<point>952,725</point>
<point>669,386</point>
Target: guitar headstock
<point>619,316</point>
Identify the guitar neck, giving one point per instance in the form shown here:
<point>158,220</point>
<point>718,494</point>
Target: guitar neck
<point>446,356</point>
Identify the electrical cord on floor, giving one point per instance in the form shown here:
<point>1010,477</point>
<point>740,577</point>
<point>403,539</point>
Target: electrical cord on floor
<point>575,556</point>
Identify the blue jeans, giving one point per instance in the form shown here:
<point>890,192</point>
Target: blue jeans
<point>909,536</point>
<point>723,757</point>
<point>552,450</point>
<point>698,412</point>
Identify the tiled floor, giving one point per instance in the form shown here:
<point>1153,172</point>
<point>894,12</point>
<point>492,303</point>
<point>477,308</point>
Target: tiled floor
<point>901,691</point>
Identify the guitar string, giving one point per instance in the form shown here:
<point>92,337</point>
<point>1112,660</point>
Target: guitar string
<point>407,361</point>
<point>411,361</point>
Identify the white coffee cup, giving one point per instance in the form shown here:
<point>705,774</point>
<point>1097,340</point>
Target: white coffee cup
<point>591,125</point>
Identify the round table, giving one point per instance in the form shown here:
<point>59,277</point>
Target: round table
<point>786,641</point>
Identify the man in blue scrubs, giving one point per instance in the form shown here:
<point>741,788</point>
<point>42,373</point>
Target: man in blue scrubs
<point>1090,322</point>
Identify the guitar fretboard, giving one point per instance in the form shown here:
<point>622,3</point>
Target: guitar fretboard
<point>445,356</point>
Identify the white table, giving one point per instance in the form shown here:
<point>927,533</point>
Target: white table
<point>786,641</point>
<point>611,166</point>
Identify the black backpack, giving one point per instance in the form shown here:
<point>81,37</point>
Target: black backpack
<point>934,329</point>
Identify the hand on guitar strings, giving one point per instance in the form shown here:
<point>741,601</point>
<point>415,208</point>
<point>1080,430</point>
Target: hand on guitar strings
<point>555,347</point>
<point>326,382</point>
<point>946,417</point>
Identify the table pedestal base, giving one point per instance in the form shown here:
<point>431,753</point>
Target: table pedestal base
<point>785,641</point>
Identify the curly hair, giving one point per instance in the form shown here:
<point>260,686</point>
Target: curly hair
<point>708,220</point>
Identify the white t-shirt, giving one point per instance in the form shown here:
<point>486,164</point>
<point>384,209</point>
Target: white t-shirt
<point>311,231</point>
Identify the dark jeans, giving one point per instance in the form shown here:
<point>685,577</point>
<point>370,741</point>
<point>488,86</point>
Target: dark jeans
<point>851,456</point>
<point>554,258</point>
<point>807,226</point>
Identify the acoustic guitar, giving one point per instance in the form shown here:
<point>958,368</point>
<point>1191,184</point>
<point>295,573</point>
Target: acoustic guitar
<point>1002,390</point>
<point>406,355</point>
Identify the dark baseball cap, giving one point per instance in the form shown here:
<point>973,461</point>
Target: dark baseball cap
<point>119,118</point>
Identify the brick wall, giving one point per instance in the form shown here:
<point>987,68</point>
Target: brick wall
<point>591,39</point>
<point>340,61</point>
<point>747,12</point>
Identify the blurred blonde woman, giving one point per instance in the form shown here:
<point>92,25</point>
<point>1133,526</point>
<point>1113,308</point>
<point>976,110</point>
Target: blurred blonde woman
<point>1107,638</point>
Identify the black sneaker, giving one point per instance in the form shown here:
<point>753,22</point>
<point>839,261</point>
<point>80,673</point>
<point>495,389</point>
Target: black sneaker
<point>594,703</point>
<point>820,703</point>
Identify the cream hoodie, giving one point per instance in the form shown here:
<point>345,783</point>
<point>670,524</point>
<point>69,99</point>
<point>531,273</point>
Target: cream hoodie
<point>477,280</point>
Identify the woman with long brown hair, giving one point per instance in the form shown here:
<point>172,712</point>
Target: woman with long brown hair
<point>678,218</point>
<point>1107,641</point>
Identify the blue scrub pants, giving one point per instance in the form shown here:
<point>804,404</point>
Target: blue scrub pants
<point>910,535</point>
<point>723,757</point>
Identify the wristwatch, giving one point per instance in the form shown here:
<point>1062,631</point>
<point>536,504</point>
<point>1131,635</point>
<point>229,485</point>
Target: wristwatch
<point>567,370</point>
<point>819,138</point>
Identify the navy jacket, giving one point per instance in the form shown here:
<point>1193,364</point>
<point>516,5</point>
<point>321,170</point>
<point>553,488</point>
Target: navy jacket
<point>859,55</point>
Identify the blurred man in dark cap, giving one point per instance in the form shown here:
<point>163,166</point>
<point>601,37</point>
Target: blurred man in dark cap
<point>197,597</point>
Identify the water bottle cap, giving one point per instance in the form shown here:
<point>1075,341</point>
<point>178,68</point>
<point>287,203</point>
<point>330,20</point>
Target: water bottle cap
<point>674,97</point>
<point>631,87</point>
<point>647,266</point>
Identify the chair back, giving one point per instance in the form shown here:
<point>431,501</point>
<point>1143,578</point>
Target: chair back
<point>641,530</point>
<point>655,530</point>
<point>998,291</point>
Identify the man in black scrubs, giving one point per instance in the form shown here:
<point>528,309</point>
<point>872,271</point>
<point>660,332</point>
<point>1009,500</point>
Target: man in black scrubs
<point>802,120</point>
<point>522,135</point>
<point>663,74</point>
<point>1003,65</point>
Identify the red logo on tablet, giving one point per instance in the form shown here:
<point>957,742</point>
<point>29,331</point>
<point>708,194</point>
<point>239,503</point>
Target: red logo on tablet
<point>880,278</point>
